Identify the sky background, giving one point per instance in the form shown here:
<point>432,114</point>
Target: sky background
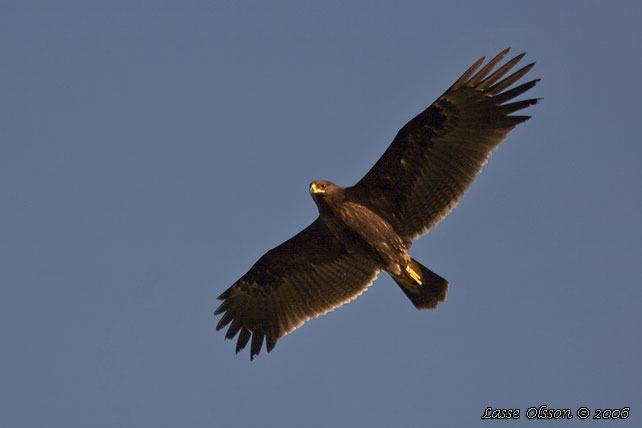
<point>151,152</point>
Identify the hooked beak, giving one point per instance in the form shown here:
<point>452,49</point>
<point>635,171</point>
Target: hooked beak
<point>316,189</point>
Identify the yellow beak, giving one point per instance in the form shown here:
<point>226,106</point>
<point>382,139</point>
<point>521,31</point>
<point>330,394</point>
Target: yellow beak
<point>316,189</point>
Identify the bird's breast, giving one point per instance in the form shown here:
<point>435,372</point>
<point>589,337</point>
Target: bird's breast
<point>367,231</point>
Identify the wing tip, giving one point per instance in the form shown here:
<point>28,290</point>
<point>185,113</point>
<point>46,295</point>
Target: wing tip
<point>244,337</point>
<point>480,81</point>
<point>508,95</point>
<point>519,119</point>
<point>467,74</point>
<point>225,320</point>
<point>492,88</point>
<point>222,308</point>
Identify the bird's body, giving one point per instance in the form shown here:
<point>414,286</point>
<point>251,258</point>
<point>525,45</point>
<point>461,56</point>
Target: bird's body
<point>369,227</point>
<point>360,229</point>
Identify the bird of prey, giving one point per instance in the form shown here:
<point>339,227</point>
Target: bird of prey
<point>369,227</point>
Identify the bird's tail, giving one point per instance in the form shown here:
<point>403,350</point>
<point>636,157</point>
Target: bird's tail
<point>424,288</point>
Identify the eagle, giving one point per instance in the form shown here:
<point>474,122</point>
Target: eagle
<point>369,227</point>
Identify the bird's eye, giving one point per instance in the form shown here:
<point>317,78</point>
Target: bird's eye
<point>323,186</point>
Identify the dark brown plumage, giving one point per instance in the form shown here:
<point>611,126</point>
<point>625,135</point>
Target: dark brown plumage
<point>367,228</point>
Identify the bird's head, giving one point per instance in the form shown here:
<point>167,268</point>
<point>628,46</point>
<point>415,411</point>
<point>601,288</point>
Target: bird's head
<point>319,187</point>
<point>322,189</point>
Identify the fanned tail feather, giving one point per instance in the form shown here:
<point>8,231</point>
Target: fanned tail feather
<point>424,288</point>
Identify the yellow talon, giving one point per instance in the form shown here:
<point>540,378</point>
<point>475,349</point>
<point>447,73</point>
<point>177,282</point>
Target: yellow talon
<point>414,275</point>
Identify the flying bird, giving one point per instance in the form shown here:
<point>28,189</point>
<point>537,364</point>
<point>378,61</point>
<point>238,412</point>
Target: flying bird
<point>369,227</point>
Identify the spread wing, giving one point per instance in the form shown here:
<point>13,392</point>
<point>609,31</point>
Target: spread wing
<point>436,156</point>
<point>306,276</point>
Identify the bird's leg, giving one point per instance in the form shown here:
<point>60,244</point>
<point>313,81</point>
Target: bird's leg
<point>414,274</point>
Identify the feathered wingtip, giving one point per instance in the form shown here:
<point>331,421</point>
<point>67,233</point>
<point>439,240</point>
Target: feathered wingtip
<point>229,316</point>
<point>488,81</point>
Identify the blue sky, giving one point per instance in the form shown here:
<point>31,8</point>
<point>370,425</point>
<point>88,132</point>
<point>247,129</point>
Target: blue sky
<point>151,152</point>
